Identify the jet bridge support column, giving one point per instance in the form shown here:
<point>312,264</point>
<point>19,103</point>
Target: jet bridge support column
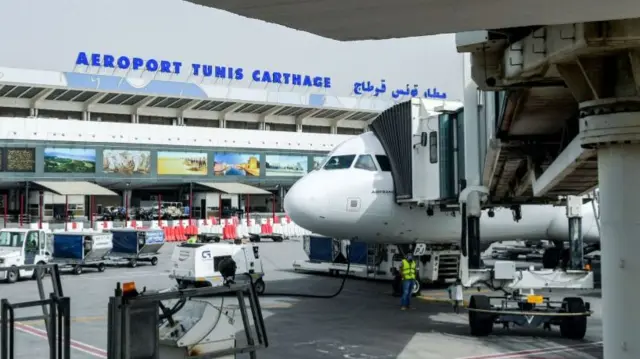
<point>471,203</point>
<point>574,214</point>
<point>617,139</point>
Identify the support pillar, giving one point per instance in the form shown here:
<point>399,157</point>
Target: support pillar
<point>574,214</point>
<point>616,136</point>
<point>471,206</point>
<point>619,175</point>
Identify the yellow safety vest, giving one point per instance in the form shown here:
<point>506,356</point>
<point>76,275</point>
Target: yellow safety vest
<point>193,239</point>
<point>408,269</point>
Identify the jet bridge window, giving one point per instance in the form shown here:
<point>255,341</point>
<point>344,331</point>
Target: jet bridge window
<point>339,162</point>
<point>383,162</point>
<point>365,162</point>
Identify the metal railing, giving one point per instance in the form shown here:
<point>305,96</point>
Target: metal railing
<point>56,313</point>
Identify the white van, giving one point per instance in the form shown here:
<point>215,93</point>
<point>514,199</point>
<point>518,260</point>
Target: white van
<point>21,246</point>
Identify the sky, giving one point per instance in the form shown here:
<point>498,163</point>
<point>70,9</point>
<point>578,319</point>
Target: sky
<point>176,30</point>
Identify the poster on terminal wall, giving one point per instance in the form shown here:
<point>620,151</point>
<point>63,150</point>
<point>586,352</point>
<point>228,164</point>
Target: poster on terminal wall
<point>286,165</point>
<point>69,160</point>
<point>126,162</point>
<point>236,164</point>
<point>173,163</point>
<point>20,159</point>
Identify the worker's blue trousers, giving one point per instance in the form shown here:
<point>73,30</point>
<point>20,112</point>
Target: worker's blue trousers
<point>407,288</point>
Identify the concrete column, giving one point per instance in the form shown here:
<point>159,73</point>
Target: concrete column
<point>126,197</point>
<point>33,112</point>
<point>299,127</point>
<point>619,175</point>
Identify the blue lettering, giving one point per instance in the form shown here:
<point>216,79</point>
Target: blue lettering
<point>108,61</point>
<point>317,81</point>
<point>176,67</point>
<point>124,62</point>
<point>95,60</point>
<point>239,74</point>
<point>82,59</point>
<point>165,66</point>
<point>152,65</point>
<point>207,70</point>
<point>327,82</point>
<point>137,63</point>
<point>277,78</point>
<point>287,78</point>
<point>196,69</point>
<point>256,76</point>
<point>221,72</point>
<point>296,80</point>
<point>266,77</point>
<point>307,81</point>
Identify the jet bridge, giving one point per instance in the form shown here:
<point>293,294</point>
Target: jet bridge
<point>422,139</point>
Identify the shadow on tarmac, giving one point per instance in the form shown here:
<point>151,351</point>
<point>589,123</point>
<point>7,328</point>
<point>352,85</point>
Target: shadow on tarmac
<point>365,321</point>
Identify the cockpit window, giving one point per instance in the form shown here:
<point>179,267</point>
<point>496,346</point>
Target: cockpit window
<point>365,162</point>
<point>339,162</point>
<point>383,161</point>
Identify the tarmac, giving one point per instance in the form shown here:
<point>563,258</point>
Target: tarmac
<point>363,322</point>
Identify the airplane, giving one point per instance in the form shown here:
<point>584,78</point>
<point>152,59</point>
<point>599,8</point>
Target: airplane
<point>351,195</point>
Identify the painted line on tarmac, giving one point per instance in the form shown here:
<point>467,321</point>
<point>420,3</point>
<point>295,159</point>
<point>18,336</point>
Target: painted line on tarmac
<point>83,347</point>
<point>73,320</point>
<point>529,352</point>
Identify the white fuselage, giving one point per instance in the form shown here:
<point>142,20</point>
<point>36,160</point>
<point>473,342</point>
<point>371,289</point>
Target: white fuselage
<point>354,198</point>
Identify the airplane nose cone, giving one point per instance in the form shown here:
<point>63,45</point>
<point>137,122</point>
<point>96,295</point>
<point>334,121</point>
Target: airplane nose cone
<point>301,205</point>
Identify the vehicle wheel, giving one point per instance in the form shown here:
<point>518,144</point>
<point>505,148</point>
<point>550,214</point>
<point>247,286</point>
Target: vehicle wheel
<point>41,271</point>
<point>550,258</point>
<point>77,270</point>
<point>260,286</point>
<point>101,267</point>
<point>278,239</point>
<point>481,324</point>
<point>133,263</point>
<point>415,291</point>
<point>574,327</point>
<point>154,261</point>
<point>13,275</point>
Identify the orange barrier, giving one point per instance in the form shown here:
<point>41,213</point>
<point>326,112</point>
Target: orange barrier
<point>266,228</point>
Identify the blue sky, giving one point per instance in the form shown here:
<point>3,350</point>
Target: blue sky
<point>80,154</point>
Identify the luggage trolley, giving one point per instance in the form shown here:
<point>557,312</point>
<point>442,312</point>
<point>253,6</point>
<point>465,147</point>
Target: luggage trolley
<point>131,246</point>
<point>79,250</point>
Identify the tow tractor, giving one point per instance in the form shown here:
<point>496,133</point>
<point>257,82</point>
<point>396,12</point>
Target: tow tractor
<point>436,263</point>
<point>198,264</point>
<point>21,246</point>
<point>521,305</point>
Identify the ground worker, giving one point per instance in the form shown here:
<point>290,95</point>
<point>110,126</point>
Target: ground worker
<point>192,240</point>
<point>408,271</point>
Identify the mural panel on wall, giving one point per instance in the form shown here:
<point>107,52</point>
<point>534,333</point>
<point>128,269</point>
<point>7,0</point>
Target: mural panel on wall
<point>286,165</point>
<point>69,160</point>
<point>318,161</point>
<point>126,162</point>
<point>236,164</point>
<point>21,159</point>
<point>182,163</point>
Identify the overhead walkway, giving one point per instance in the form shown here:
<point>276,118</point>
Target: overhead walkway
<point>74,188</point>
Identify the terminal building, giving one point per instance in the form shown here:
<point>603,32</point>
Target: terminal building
<point>131,121</point>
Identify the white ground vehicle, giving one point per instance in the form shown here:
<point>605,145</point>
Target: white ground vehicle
<point>198,264</point>
<point>436,264</point>
<point>21,246</point>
